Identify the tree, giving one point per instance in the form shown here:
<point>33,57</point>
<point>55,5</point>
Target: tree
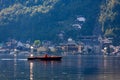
<point>37,43</point>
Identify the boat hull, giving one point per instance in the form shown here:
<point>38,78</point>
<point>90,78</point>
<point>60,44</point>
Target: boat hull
<point>56,58</point>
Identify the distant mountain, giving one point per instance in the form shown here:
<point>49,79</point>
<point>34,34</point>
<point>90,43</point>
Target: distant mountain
<point>46,19</point>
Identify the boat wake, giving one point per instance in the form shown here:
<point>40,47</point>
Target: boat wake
<point>8,59</point>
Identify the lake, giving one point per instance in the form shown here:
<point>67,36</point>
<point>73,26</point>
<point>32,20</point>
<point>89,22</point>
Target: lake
<point>71,67</point>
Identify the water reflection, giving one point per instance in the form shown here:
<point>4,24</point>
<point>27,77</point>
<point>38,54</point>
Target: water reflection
<point>92,67</point>
<point>70,68</point>
<point>111,68</point>
<point>15,65</point>
<point>31,70</point>
<point>42,68</point>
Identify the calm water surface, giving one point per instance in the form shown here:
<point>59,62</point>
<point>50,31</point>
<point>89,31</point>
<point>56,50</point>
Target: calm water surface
<point>72,67</point>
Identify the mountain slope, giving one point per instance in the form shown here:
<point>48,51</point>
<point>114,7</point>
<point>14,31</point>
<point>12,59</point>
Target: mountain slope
<point>109,19</point>
<point>45,19</point>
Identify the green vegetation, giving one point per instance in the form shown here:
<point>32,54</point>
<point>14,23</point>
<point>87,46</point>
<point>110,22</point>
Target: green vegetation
<point>37,42</point>
<point>44,20</point>
<point>110,23</point>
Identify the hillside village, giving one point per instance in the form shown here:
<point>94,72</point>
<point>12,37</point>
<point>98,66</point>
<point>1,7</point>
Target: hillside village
<point>96,46</point>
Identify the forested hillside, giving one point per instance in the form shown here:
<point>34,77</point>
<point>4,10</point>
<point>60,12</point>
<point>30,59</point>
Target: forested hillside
<point>109,19</point>
<point>45,19</point>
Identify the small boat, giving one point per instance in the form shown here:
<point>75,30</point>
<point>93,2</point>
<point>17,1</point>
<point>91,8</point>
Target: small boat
<point>45,58</point>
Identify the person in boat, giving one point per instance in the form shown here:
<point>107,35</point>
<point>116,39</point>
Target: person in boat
<point>46,55</point>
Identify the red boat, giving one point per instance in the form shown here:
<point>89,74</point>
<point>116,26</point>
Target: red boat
<point>46,57</point>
